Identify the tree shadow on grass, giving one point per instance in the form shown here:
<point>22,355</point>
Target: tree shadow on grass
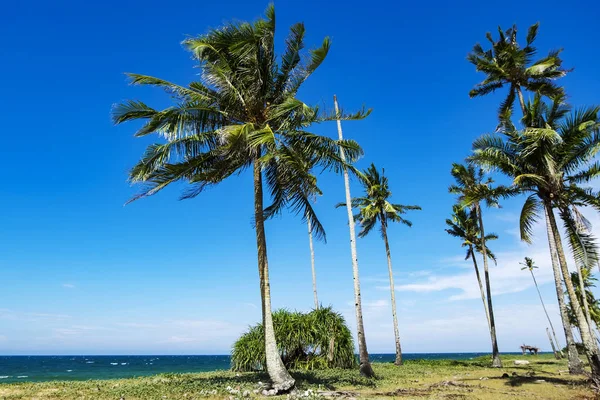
<point>516,381</point>
<point>216,380</point>
<point>332,379</point>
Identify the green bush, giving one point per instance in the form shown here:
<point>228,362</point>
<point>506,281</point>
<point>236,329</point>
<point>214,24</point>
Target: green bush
<point>319,339</point>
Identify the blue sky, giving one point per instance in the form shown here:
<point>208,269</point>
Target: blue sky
<point>81,273</point>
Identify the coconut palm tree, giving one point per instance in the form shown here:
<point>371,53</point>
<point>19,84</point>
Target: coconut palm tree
<point>506,63</point>
<point>243,114</point>
<point>549,159</point>
<point>472,189</point>
<point>529,264</point>
<point>375,208</point>
<point>463,225</point>
<point>594,304</point>
<point>584,248</point>
<point>365,364</point>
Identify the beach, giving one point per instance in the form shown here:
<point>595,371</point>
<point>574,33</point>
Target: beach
<point>542,378</point>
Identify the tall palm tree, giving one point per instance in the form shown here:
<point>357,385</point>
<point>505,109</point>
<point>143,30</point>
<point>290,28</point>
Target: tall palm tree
<point>463,225</point>
<point>473,188</point>
<point>312,263</point>
<point>529,264</point>
<point>374,208</point>
<point>506,63</point>
<point>549,159</point>
<point>243,114</point>
<point>365,364</point>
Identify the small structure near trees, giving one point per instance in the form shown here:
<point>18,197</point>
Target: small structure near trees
<point>530,349</point>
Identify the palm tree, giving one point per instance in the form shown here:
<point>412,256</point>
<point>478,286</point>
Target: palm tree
<point>588,284</point>
<point>463,225</point>
<point>242,115</point>
<point>365,365</point>
<point>548,159</point>
<point>583,246</point>
<point>312,264</point>
<point>472,189</point>
<point>506,63</point>
<point>530,265</point>
<point>375,208</point>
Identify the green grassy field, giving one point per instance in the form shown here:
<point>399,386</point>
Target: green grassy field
<point>543,378</point>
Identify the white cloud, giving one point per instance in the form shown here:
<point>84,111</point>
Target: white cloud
<point>68,285</point>
<point>180,339</point>
<point>137,325</point>
<point>506,277</point>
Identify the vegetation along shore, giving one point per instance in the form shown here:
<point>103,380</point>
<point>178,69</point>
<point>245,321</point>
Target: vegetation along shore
<point>543,378</point>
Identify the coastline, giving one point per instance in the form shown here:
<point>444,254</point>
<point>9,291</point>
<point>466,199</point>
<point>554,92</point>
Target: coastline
<point>17,369</point>
<point>543,378</point>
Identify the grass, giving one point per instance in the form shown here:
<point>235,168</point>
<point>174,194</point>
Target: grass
<point>543,378</point>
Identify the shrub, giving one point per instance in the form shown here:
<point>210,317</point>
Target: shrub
<point>316,340</point>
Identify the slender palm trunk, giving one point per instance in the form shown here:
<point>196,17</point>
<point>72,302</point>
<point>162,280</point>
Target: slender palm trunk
<point>392,290</point>
<point>586,308</point>
<point>496,362</point>
<point>521,100</point>
<point>363,354</point>
<point>282,381</point>
<point>590,345</point>
<point>485,307</point>
<point>575,365</point>
<point>546,312</point>
<point>312,263</point>
<point>552,345</point>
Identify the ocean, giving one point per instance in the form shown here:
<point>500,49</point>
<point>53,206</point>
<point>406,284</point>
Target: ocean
<point>50,368</point>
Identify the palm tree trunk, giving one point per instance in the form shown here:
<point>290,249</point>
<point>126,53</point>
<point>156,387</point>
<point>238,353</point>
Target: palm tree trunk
<point>586,308</point>
<point>589,344</point>
<point>521,100</point>
<point>496,362</point>
<point>282,381</point>
<point>312,263</point>
<point>547,316</point>
<point>552,345</point>
<point>392,290</point>
<point>363,354</point>
<point>575,365</point>
<point>485,307</point>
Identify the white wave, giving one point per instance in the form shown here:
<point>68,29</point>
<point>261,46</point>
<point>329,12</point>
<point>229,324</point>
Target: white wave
<point>4,376</point>
<point>89,362</point>
<point>114,363</point>
<point>22,376</point>
<point>124,363</point>
<point>69,370</point>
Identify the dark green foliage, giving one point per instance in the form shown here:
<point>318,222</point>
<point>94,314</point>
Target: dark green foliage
<point>593,303</point>
<point>303,340</point>
<point>508,64</point>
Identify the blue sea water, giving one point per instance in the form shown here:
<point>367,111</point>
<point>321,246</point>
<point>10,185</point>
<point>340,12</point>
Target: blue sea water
<point>49,368</point>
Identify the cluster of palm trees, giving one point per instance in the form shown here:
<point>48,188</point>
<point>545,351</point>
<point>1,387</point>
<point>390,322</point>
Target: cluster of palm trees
<point>244,115</point>
<point>550,155</point>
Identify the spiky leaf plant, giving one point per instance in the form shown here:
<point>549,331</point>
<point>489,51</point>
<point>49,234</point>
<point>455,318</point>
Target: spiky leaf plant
<point>316,340</point>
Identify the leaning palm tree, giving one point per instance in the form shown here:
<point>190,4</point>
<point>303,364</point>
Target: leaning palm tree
<point>549,159</point>
<point>365,364</point>
<point>472,189</point>
<point>529,264</point>
<point>463,225</point>
<point>583,246</point>
<point>594,304</point>
<point>506,63</point>
<point>243,114</point>
<point>374,208</point>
